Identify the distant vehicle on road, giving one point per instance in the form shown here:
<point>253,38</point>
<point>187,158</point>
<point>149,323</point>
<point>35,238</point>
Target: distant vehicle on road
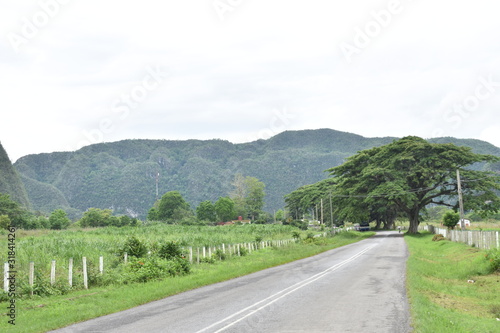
<point>363,226</point>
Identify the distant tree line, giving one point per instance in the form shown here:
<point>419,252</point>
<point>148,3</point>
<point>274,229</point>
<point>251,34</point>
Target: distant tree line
<point>246,200</point>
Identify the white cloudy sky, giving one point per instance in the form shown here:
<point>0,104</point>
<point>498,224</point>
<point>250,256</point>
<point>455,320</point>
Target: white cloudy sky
<point>76,72</point>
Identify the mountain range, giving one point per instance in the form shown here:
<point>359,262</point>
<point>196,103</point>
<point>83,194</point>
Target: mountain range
<point>124,175</point>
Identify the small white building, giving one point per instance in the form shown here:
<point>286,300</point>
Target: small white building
<point>466,223</point>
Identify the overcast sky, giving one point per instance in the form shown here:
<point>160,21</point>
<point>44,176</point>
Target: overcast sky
<point>77,72</point>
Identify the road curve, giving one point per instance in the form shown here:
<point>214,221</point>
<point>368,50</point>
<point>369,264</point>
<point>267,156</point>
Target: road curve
<point>356,288</point>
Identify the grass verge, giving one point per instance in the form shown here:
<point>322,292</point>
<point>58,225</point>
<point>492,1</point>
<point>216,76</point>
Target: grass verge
<point>450,287</point>
<point>43,314</point>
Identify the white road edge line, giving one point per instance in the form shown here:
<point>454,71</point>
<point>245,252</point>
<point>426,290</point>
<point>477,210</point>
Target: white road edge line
<point>285,292</point>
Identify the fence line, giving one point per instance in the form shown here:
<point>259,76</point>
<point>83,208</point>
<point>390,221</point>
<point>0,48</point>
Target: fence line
<point>476,238</point>
<point>229,249</point>
<point>233,250</point>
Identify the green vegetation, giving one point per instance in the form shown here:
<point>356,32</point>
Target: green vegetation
<point>172,206</point>
<point>224,209</point>
<point>452,287</point>
<point>450,219</point>
<point>123,174</point>
<point>10,182</point>
<point>37,314</point>
<point>153,240</point>
<point>403,178</point>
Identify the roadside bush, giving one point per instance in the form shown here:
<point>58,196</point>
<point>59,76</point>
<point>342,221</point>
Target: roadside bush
<point>243,251</point>
<point>144,270</point>
<point>178,266</point>
<point>154,268</point>
<point>134,247</point>
<point>42,287</point>
<point>493,256</point>
<point>438,237</point>
<point>219,254</point>
<point>450,219</point>
<point>170,250</point>
<point>208,260</point>
<point>302,225</point>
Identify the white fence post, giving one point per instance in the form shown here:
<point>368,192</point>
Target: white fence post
<point>31,278</point>
<point>101,265</point>
<point>85,276</point>
<point>53,272</point>
<point>125,257</point>
<point>70,272</point>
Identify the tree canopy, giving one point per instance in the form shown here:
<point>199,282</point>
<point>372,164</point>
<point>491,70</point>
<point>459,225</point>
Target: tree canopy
<point>224,207</point>
<point>171,205</point>
<point>404,177</point>
<point>248,195</point>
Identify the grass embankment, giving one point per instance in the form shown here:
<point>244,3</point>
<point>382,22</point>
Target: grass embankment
<point>42,314</point>
<point>442,293</point>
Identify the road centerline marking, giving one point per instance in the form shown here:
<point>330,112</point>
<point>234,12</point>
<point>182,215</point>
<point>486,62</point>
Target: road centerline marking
<point>281,294</point>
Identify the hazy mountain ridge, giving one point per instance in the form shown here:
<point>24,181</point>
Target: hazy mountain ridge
<point>122,175</point>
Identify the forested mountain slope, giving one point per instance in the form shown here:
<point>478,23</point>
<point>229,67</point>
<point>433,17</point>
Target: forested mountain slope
<point>122,175</point>
<point>10,182</point>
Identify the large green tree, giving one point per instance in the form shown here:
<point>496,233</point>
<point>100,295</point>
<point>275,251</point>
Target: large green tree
<point>59,219</point>
<point>172,205</point>
<point>254,200</point>
<point>248,195</point>
<point>206,211</point>
<point>224,207</point>
<point>411,173</point>
<point>96,217</point>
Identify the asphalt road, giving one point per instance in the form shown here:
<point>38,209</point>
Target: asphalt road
<point>356,288</point>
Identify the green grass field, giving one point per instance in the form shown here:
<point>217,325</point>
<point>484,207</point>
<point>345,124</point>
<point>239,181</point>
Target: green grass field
<point>451,287</point>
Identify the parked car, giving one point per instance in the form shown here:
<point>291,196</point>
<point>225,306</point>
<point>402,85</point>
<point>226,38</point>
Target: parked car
<point>364,226</point>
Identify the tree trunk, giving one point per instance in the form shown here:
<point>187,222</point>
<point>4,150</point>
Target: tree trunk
<point>414,222</point>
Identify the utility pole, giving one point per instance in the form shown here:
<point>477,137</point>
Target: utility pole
<point>321,211</point>
<point>331,210</point>
<point>460,201</point>
<point>157,176</point>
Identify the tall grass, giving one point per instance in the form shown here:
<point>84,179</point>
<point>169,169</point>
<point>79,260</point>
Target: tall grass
<point>43,247</point>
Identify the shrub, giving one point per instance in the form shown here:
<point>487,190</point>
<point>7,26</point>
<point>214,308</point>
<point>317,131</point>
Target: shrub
<point>134,247</point>
<point>438,237</point>
<point>243,251</point>
<point>179,266</point>
<point>219,254</point>
<point>144,270</point>
<point>170,250</point>
<point>208,260</point>
<point>493,256</point>
<point>450,219</point>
